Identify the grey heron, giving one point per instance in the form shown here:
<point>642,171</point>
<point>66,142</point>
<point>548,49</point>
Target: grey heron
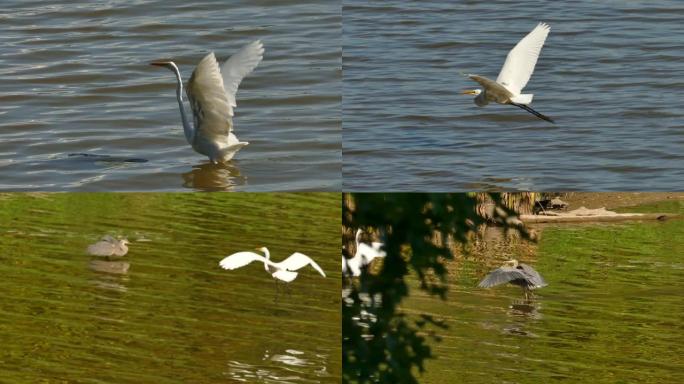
<point>109,246</point>
<point>211,92</point>
<point>514,75</point>
<point>364,255</point>
<point>284,270</point>
<point>515,273</point>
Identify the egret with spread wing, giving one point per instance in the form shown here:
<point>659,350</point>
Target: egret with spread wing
<point>284,270</point>
<point>364,255</point>
<point>514,75</point>
<point>515,273</point>
<point>211,92</point>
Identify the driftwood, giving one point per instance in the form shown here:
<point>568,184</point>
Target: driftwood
<point>582,215</point>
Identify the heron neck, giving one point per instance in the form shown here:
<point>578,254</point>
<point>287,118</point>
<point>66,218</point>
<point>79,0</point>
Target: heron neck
<point>188,130</point>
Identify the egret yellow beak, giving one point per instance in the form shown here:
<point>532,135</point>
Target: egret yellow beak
<point>469,92</point>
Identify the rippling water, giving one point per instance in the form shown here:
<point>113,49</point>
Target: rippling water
<point>610,74</point>
<point>76,79</point>
<point>611,313</point>
<point>166,312</point>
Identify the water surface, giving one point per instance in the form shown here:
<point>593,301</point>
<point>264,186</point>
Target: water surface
<point>76,79</point>
<point>610,74</point>
<point>166,312</point>
<point>612,311</point>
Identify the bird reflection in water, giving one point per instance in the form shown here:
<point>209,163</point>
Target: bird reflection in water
<point>289,366</point>
<point>213,177</point>
<point>111,269</point>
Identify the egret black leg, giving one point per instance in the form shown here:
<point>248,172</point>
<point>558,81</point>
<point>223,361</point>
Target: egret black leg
<point>532,111</point>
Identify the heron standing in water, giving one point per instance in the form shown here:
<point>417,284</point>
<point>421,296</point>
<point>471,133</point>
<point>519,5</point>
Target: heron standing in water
<point>109,247</point>
<point>211,92</point>
<point>514,75</point>
<point>515,273</point>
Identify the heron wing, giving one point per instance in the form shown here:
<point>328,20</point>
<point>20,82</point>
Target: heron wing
<point>520,62</point>
<point>299,260</point>
<point>237,67</point>
<point>101,248</point>
<point>240,259</point>
<point>533,276</point>
<point>211,109</point>
<point>501,276</point>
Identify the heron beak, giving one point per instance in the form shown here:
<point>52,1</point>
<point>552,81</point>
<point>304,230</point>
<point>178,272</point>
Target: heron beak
<point>469,92</point>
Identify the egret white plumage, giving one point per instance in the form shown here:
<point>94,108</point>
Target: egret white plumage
<point>211,92</point>
<point>364,255</point>
<point>284,270</point>
<point>514,75</point>
<point>109,246</point>
<point>515,273</point>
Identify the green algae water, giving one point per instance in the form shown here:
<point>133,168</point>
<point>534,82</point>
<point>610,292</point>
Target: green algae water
<point>612,312</point>
<point>166,312</point>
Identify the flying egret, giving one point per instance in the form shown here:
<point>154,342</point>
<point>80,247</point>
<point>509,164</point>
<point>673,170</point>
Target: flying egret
<point>284,270</point>
<point>515,273</point>
<point>109,246</point>
<point>364,255</point>
<point>514,75</point>
<point>211,92</point>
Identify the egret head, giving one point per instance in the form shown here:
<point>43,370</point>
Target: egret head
<point>264,250</point>
<point>473,92</point>
<point>124,241</point>
<point>166,64</point>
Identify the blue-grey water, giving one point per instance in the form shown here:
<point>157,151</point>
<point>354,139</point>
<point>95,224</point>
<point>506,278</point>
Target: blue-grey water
<point>610,74</point>
<point>75,79</point>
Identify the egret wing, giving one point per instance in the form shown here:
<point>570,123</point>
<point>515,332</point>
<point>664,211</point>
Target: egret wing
<point>237,67</point>
<point>501,276</point>
<point>368,253</point>
<point>240,259</point>
<point>286,276</point>
<point>210,106</point>
<point>299,260</point>
<point>520,62</point>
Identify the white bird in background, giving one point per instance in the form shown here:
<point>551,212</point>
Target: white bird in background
<point>109,246</point>
<point>364,255</point>
<point>211,92</point>
<point>284,270</point>
<point>514,75</point>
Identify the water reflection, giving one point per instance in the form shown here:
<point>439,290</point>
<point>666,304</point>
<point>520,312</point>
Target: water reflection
<point>214,177</point>
<point>283,367</point>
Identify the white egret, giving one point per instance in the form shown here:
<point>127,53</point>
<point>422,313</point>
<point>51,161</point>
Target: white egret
<point>364,255</point>
<point>109,246</point>
<point>514,75</point>
<point>211,92</point>
<point>284,270</point>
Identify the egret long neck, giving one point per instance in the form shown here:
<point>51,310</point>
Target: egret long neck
<point>188,130</point>
<point>267,255</point>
